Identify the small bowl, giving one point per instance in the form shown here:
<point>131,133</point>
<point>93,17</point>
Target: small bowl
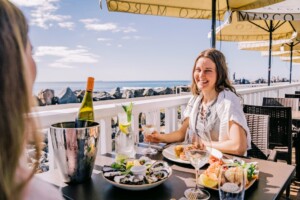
<point>139,170</point>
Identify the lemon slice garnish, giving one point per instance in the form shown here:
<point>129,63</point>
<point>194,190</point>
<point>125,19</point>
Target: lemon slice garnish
<point>124,128</point>
<point>208,181</point>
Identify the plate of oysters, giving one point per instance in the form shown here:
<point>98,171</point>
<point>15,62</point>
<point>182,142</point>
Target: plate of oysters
<point>137,174</point>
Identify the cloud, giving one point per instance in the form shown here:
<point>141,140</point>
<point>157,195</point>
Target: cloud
<point>60,65</point>
<point>66,57</point>
<point>119,45</point>
<point>103,39</point>
<point>67,25</point>
<point>95,25</point>
<point>134,37</point>
<point>43,14</point>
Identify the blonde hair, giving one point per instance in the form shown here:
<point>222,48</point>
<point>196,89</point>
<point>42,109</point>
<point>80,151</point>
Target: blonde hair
<point>17,128</point>
<point>223,81</point>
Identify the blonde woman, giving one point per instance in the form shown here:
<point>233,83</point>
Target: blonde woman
<point>17,128</point>
<point>215,98</point>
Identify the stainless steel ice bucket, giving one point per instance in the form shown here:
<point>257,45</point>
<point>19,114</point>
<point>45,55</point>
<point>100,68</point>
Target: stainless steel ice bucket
<point>75,150</point>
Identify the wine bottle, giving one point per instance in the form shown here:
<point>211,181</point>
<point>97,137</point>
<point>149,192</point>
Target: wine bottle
<point>86,112</point>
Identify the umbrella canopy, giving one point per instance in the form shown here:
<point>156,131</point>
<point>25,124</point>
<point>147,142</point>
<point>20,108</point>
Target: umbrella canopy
<point>236,28</point>
<point>193,9</point>
<point>254,26</point>
<point>281,48</point>
<point>277,45</point>
<point>294,60</point>
<point>281,53</point>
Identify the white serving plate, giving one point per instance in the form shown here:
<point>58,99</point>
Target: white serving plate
<point>169,153</point>
<point>138,187</point>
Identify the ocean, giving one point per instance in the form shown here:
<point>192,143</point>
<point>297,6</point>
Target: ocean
<point>105,85</point>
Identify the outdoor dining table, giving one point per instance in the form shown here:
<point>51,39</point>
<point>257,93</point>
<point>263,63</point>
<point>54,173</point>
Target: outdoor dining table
<point>274,177</point>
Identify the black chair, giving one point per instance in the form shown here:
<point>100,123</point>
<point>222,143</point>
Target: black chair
<point>259,130</point>
<point>297,92</point>
<point>280,129</point>
<point>297,96</point>
<point>286,102</point>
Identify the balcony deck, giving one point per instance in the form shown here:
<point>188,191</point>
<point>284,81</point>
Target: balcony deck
<point>169,104</point>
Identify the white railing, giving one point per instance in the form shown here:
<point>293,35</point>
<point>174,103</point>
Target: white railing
<point>105,111</point>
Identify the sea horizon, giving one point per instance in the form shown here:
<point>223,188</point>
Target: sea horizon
<point>107,86</point>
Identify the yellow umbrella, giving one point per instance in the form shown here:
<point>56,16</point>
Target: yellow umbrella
<point>193,9</point>
<point>294,60</point>
<point>240,26</point>
<point>277,45</point>
<point>281,53</point>
<point>281,48</point>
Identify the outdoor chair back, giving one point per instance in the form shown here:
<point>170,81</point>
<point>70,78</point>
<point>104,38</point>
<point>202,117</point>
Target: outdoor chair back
<point>259,130</point>
<point>296,96</point>
<point>280,129</point>
<point>285,102</point>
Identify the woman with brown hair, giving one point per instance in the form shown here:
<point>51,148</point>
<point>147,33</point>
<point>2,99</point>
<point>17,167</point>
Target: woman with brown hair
<point>17,128</point>
<point>215,98</point>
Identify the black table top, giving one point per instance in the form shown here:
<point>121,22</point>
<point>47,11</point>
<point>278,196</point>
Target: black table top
<point>273,179</point>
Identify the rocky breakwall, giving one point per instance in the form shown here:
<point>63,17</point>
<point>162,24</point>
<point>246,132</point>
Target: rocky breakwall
<point>48,97</point>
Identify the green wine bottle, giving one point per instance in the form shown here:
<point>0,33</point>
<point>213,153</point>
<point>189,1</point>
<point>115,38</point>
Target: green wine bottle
<point>86,112</point>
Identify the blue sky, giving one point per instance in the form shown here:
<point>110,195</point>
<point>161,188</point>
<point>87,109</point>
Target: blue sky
<point>75,39</point>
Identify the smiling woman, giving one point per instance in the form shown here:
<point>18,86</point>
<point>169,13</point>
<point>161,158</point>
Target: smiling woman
<point>215,107</point>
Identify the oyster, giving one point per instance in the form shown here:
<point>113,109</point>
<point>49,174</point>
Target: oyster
<point>111,175</point>
<point>128,179</point>
<point>159,166</point>
<point>160,175</point>
<point>107,168</point>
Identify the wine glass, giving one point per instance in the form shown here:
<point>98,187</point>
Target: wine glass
<point>148,127</point>
<point>198,156</point>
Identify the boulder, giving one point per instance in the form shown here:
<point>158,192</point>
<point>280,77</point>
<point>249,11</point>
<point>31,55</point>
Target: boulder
<point>46,96</point>
<point>148,92</point>
<point>116,93</point>
<point>127,94</point>
<point>100,96</point>
<point>138,92</point>
<point>38,101</point>
<point>163,91</point>
<point>67,96</point>
<point>79,94</point>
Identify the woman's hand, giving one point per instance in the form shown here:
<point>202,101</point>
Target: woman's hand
<point>154,137</point>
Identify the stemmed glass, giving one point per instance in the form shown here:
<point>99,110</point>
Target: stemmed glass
<point>198,156</point>
<point>148,127</point>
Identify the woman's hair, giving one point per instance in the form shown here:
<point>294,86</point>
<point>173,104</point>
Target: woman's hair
<point>223,81</point>
<point>17,128</point>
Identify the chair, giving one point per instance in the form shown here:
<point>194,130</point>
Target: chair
<point>297,96</point>
<point>286,102</point>
<point>297,92</point>
<point>259,130</point>
<point>280,129</point>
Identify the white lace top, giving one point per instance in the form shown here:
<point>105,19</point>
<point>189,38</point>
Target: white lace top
<point>227,107</point>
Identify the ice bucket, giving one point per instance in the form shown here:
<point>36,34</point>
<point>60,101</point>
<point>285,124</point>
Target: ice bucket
<point>75,150</point>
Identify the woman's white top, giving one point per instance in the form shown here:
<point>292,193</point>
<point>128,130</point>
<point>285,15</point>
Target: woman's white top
<point>38,189</point>
<point>227,107</point>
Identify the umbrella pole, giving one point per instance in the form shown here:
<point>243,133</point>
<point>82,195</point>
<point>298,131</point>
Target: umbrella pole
<point>270,52</point>
<point>213,24</point>
<point>291,62</point>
